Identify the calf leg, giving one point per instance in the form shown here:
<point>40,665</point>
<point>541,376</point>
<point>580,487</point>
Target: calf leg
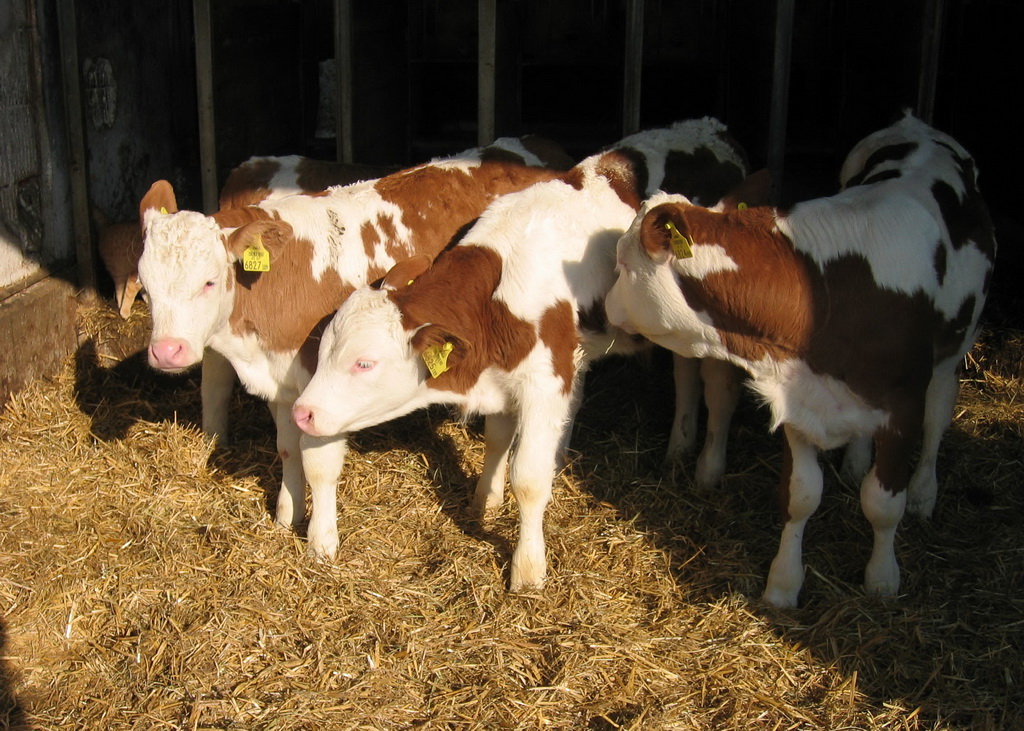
<point>216,385</point>
<point>883,510</point>
<point>883,495</point>
<point>721,394</point>
<point>532,471</point>
<point>686,375</point>
<point>499,430</point>
<point>940,400</point>
<point>801,488</point>
<point>323,459</point>
<point>856,459</point>
<point>291,500</point>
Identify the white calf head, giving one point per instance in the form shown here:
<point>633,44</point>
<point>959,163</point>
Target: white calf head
<point>646,297</point>
<point>645,293</point>
<point>369,370</point>
<point>187,268</point>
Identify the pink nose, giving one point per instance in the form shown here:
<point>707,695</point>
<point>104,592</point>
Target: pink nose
<point>304,419</point>
<point>170,354</point>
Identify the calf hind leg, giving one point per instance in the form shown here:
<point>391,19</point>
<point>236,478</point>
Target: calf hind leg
<point>683,435</point>
<point>802,484</point>
<point>291,499</point>
<point>721,394</point>
<point>940,400</point>
<point>499,430</point>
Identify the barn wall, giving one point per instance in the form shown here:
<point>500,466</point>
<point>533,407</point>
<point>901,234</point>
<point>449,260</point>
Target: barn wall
<point>37,293</point>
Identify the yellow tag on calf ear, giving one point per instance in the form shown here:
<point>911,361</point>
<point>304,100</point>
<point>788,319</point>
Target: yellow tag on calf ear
<point>436,358</point>
<point>163,210</point>
<point>255,258</point>
<point>741,206</point>
<point>681,247</point>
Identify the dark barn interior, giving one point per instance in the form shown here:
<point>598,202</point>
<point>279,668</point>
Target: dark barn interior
<point>559,71</point>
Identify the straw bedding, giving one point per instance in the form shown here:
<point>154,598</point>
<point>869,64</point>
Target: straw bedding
<point>143,584</point>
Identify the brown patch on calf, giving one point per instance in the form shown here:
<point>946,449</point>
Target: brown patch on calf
<point>484,332</point>
<point>249,183</point>
<point>966,219</point>
<point>626,171</point>
<point>237,217</point>
<point>593,318</point>
<point>436,202</point>
<point>548,151</point>
<point>877,341</point>
<point>558,332</point>
<point>159,196</point>
<point>878,157</point>
<point>700,176</point>
<point>283,306</point>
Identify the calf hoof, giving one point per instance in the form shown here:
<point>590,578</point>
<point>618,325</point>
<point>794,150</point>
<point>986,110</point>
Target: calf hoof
<point>323,548</point>
<point>922,508</point>
<point>781,598</point>
<point>882,578</point>
<point>709,475</point>
<point>527,575</point>
<point>485,503</point>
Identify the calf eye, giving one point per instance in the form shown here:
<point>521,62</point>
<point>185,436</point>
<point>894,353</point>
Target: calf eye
<point>362,366</point>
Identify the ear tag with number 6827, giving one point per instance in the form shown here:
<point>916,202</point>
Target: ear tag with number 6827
<point>255,258</point>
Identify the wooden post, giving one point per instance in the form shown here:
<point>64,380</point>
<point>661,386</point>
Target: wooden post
<point>204,92</point>
<point>343,80</point>
<point>68,29</point>
<point>931,46</point>
<point>780,92</point>
<point>633,67</point>
<point>487,41</point>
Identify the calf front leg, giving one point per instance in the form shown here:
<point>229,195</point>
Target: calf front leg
<point>217,381</point>
<point>801,486</point>
<point>291,499</point>
<point>323,459</point>
<point>499,430</point>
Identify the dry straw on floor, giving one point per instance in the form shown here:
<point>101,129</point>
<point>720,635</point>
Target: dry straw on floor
<point>144,586</point>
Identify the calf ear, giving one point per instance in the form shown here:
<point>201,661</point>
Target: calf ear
<point>160,198</point>
<point>434,343</point>
<point>754,190</point>
<point>271,235</point>
<point>405,272</point>
<point>660,226</point>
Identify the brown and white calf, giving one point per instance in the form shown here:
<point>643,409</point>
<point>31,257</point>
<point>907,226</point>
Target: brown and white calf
<point>257,179</point>
<point>850,313</point>
<point>504,323</point>
<point>207,290</point>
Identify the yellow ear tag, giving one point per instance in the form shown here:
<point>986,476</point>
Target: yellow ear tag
<point>255,258</point>
<point>681,247</point>
<point>741,206</point>
<point>436,358</point>
<point>163,210</point>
